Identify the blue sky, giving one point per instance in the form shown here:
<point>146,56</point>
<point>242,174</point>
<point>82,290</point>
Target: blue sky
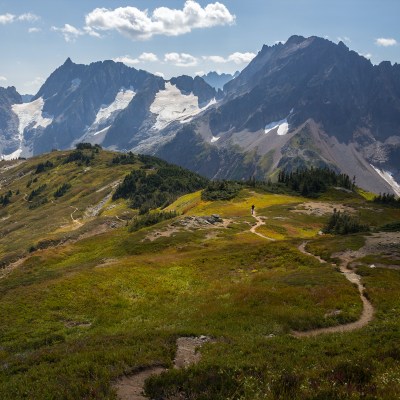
<point>180,37</point>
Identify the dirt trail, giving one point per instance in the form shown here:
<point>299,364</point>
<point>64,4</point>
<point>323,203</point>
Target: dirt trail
<point>368,310</point>
<point>131,387</point>
<point>10,267</point>
<point>257,225</point>
<point>75,221</point>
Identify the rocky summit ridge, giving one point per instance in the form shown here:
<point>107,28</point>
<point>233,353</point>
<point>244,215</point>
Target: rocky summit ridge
<point>307,102</point>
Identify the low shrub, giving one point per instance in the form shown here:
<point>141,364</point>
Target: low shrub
<point>148,219</point>
<point>343,224</point>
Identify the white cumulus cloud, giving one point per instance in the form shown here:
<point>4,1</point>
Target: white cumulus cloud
<point>237,58</point>
<point>3,79</point>
<point>28,17</point>
<point>148,57</point>
<point>386,42</point>
<point>34,30</point>
<point>69,32</point>
<point>6,18</point>
<point>159,74</point>
<point>130,61</point>
<point>344,39</point>
<point>180,59</point>
<point>141,25</point>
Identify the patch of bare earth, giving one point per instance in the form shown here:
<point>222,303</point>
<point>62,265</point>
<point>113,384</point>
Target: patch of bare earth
<point>320,208</point>
<point>131,387</point>
<point>190,224</point>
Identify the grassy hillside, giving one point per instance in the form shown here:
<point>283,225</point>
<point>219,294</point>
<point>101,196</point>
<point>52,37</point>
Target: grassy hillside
<point>107,301</point>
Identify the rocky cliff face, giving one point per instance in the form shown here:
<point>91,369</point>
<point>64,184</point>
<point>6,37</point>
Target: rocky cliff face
<point>106,103</point>
<point>311,102</point>
<point>8,120</point>
<point>308,102</point>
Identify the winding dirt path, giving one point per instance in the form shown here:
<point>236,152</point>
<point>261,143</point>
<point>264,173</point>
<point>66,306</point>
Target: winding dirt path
<point>257,225</point>
<point>368,309</point>
<point>75,221</point>
<point>131,387</point>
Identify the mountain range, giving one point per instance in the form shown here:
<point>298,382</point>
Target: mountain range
<point>307,102</point>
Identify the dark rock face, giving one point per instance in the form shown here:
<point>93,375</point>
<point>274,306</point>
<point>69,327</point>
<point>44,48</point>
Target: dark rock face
<point>8,120</point>
<point>308,102</point>
<point>73,94</point>
<point>197,86</point>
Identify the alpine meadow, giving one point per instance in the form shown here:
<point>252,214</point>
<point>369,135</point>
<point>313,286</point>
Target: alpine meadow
<point>192,208</point>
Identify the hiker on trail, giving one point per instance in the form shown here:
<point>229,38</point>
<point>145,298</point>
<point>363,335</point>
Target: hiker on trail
<point>252,209</point>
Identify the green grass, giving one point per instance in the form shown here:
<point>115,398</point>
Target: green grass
<point>76,317</point>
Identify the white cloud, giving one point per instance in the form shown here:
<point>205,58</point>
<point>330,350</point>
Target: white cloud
<point>159,74</point>
<point>368,56</point>
<point>344,39</point>
<point>89,31</point>
<point>7,18</point>
<point>69,32</point>
<point>28,17</point>
<point>237,58</point>
<point>180,59</point>
<point>216,59</point>
<point>130,61</point>
<point>148,57</point>
<point>386,42</point>
<point>200,73</point>
<point>140,25</point>
<point>3,79</point>
<point>241,58</point>
<point>34,30</point>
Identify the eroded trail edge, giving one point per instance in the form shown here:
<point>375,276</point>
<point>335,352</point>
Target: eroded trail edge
<point>368,309</point>
<point>131,387</point>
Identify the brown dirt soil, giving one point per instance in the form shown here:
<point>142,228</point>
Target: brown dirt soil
<point>320,208</point>
<point>188,224</point>
<point>131,387</point>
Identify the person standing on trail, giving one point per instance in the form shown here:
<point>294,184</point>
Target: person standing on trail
<point>252,209</point>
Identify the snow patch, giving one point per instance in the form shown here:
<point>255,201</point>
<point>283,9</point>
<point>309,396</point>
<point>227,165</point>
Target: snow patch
<point>30,115</point>
<point>214,139</point>
<point>101,131</point>
<point>171,105</point>
<point>387,176</point>
<point>123,98</point>
<point>282,126</point>
<point>13,156</point>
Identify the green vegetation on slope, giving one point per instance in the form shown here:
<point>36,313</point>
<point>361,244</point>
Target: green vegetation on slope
<point>157,184</point>
<point>74,318</point>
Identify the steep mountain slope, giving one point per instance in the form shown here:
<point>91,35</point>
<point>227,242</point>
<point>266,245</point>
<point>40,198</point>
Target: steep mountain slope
<point>308,102</point>
<point>9,143</point>
<point>104,102</point>
<point>311,102</point>
<point>62,196</point>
